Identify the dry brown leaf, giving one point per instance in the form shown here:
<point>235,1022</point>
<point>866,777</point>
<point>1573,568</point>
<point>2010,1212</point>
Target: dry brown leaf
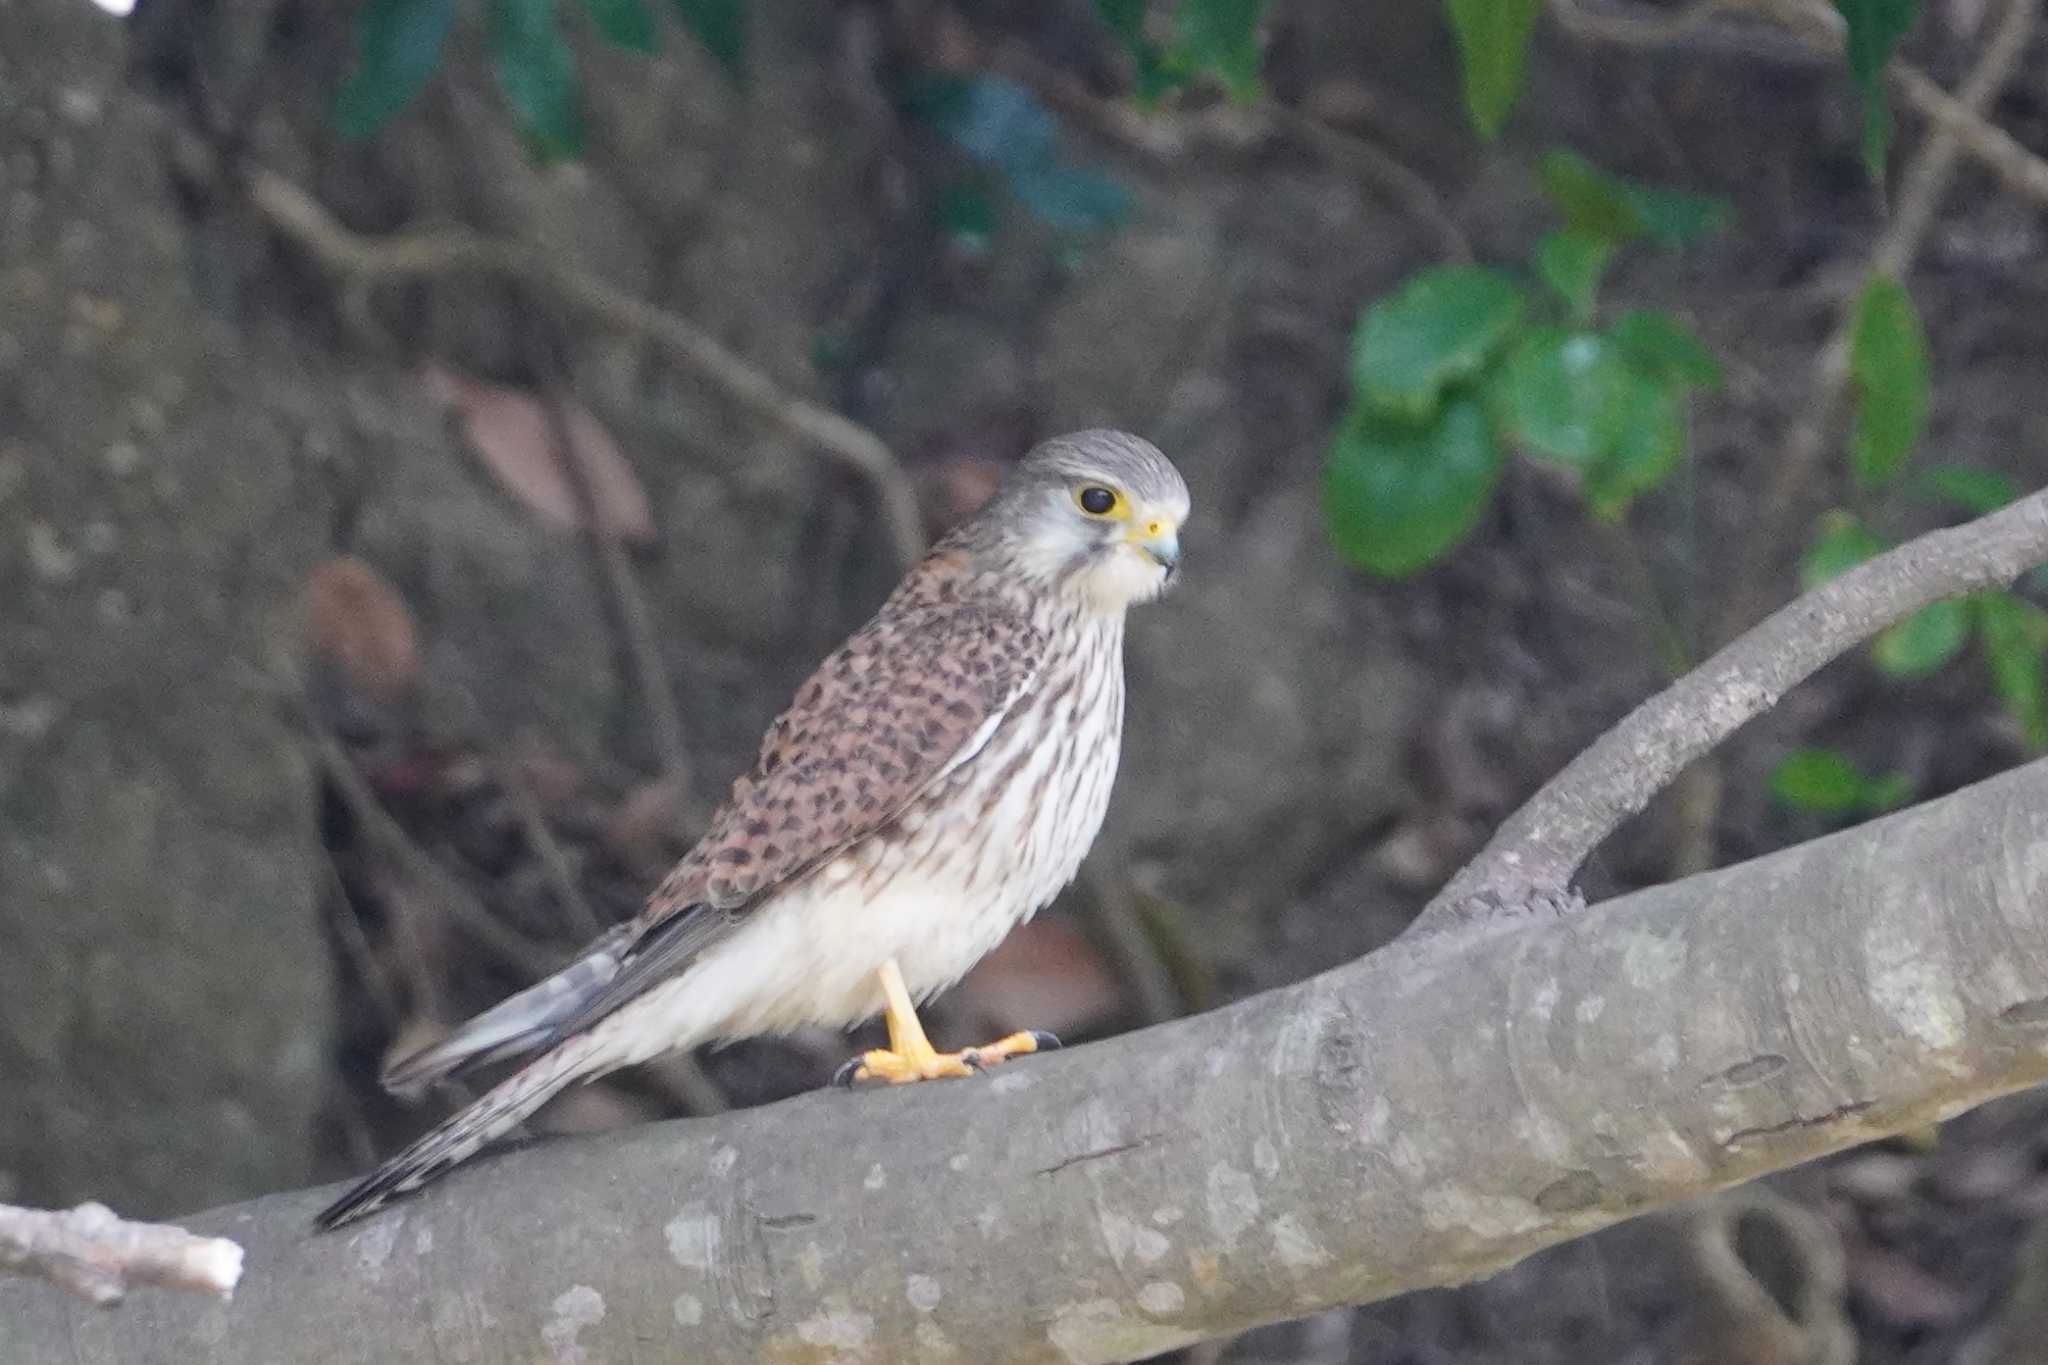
<point>1895,1288</point>
<point>356,623</point>
<point>512,434</point>
<point>1045,975</point>
<point>646,827</point>
<point>959,469</point>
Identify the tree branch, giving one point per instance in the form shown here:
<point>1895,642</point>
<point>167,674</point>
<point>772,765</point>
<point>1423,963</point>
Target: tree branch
<point>1922,185</point>
<point>455,250</point>
<point>1531,859</point>
<point>100,1257</point>
<point>1998,151</point>
<point>1413,1119</point>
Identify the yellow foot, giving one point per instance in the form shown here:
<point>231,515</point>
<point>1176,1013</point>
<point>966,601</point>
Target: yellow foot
<point>923,1064</point>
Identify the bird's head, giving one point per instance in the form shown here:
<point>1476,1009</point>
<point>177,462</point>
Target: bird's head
<point>1096,515</point>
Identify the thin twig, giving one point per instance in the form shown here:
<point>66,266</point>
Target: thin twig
<point>1160,137</point>
<point>1958,126</point>
<point>457,250</point>
<point>636,621</point>
<point>554,859</point>
<point>446,892</point>
<point>348,927</point>
<point>1673,650</point>
<point>1381,169</point>
<point>1116,917</point>
<point>2018,169</point>
<point>1921,187</point>
<point>1820,28</point>
<point>1650,28</point>
<point>1530,861</point>
<point>98,1256</point>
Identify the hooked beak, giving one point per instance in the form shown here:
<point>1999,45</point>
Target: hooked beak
<point>1159,541</point>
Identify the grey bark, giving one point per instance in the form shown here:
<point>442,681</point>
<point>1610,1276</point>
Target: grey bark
<point>1417,1118</point>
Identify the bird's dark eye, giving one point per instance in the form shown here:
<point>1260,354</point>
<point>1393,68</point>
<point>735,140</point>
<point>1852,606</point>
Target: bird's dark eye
<point>1096,500</point>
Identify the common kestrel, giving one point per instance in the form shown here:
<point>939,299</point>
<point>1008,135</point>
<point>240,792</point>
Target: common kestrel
<point>936,782</point>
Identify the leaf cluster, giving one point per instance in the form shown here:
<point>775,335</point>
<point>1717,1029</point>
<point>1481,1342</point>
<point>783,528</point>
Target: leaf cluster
<point>1462,362</point>
<point>399,45</point>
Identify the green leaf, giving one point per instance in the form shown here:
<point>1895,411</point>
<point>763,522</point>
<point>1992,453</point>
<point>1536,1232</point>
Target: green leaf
<point>624,23</point>
<point>1592,201</point>
<point>1887,791</point>
<point>1002,125</point>
<point>1819,780</point>
<point>1156,74</point>
<point>1888,362</point>
<point>1124,18</point>
<point>1222,36</point>
<point>1923,641</point>
<point>1598,203</point>
<point>536,73</point>
<point>721,26</point>
<point>1071,198</point>
<point>2014,632</point>
<point>1444,324</point>
<point>398,45</point>
<point>967,215</point>
<point>1648,445</point>
<point>1566,395</point>
<point>1493,55</point>
<point>1666,349</point>
<point>1843,543</point>
<point>1676,218</point>
<point>1397,496</point>
<point>1572,264</point>
<point>1977,491</point>
<point>1874,30</point>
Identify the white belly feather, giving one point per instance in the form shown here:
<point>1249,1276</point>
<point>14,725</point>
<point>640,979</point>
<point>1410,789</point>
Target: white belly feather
<point>970,865</point>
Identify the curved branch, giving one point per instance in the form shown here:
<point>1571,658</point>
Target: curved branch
<point>1412,1119</point>
<point>455,250</point>
<point>1531,859</point>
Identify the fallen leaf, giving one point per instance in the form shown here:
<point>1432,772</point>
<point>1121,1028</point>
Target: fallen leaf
<point>646,827</point>
<point>513,436</point>
<point>1896,1289</point>
<point>357,624</point>
<point>1045,975</point>
<point>958,469</point>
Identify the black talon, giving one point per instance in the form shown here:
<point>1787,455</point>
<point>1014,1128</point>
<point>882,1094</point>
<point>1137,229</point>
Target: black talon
<point>971,1059</point>
<point>845,1076</point>
<point>1046,1041</point>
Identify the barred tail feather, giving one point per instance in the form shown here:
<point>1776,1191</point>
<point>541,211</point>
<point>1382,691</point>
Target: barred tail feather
<point>526,1021</point>
<point>499,1111</point>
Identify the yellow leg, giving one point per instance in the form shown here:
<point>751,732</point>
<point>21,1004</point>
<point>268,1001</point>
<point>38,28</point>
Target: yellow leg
<point>910,1055</point>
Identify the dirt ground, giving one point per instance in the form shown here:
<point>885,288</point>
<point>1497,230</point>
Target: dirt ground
<point>243,857</point>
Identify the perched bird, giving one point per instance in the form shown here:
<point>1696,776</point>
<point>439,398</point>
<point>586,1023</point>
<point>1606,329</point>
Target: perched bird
<point>935,783</point>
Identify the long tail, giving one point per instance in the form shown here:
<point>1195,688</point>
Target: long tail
<point>524,1023</point>
<point>499,1111</point>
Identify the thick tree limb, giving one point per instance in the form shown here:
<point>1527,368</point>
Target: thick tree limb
<point>1532,857</point>
<point>100,1257</point>
<point>1416,1118</point>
